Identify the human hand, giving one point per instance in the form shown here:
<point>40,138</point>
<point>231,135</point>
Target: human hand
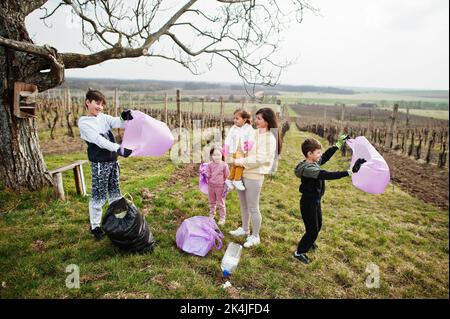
<point>341,140</point>
<point>124,152</point>
<point>126,115</point>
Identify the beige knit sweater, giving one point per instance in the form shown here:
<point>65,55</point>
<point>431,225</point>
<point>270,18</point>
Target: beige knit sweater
<point>260,159</point>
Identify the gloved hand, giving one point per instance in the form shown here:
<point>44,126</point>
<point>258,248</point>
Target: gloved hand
<point>126,115</point>
<point>124,152</point>
<point>341,140</point>
<point>356,166</point>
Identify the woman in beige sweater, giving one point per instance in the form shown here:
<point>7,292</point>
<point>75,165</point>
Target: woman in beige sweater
<point>259,162</point>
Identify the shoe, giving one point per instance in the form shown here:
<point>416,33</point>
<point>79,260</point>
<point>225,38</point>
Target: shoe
<point>252,241</point>
<point>97,232</point>
<point>238,232</point>
<point>239,185</point>
<point>229,184</point>
<point>302,257</point>
<point>221,221</point>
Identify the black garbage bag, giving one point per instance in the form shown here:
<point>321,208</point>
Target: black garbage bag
<point>127,228</point>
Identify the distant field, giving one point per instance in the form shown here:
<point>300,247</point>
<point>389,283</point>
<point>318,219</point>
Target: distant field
<point>436,114</point>
<point>325,98</point>
<point>423,103</point>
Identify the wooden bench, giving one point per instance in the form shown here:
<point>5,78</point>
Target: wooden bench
<point>80,185</point>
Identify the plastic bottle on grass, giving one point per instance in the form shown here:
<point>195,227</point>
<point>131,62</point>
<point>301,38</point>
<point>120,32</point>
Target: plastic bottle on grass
<point>231,259</point>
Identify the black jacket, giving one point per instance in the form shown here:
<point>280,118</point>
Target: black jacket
<point>97,154</point>
<point>313,178</point>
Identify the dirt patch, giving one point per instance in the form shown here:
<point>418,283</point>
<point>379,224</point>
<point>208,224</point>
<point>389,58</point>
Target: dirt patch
<point>183,174</point>
<point>179,215</point>
<point>39,246</point>
<point>427,182</point>
<point>62,145</point>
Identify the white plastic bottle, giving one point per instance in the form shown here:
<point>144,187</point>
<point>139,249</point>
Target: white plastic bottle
<point>231,258</point>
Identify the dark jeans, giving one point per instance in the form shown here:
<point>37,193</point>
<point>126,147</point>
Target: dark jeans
<point>311,211</point>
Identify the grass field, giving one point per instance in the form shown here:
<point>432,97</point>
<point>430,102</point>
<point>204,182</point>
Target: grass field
<point>436,114</point>
<point>406,238</point>
<point>359,97</point>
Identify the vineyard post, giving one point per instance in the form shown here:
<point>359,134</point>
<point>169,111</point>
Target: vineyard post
<point>165,108</point>
<point>390,136</point>
<point>115,103</point>
<point>278,109</point>
<point>430,147</point>
<point>344,147</point>
<point>443,156</point>
<point>203,115</point>
<point>221,118</point>
<point>68,110</point>
<point>179,117</point>
<point>407,116</point>
<point>342,116</point>
<point>419,146</point>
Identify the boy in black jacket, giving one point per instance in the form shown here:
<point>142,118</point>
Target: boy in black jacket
<point>96,130</point>
<point>312,188</point>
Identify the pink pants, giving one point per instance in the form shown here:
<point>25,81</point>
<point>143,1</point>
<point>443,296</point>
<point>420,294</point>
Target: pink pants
<point>215,198</point>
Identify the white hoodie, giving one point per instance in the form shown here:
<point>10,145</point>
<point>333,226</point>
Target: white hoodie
<point>237,136</point>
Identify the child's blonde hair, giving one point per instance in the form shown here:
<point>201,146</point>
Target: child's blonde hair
<point>244,114</point>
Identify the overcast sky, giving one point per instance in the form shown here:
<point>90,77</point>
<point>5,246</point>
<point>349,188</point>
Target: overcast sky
<point>366,43</point>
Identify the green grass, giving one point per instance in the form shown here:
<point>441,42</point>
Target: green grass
<point>405,237</point>
<point>382,99</point>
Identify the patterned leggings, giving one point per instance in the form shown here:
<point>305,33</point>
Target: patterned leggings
<point>105,182</point>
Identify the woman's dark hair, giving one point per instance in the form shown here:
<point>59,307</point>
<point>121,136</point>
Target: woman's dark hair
<point>269,116</point>
<point>244,114</point>
<point>95,95</point>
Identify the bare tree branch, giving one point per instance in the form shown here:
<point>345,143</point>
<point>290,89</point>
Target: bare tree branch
<point>245,33</point>
<point>47,52</point>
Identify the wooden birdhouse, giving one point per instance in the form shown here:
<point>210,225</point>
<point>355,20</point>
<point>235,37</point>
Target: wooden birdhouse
<point>25,99</point>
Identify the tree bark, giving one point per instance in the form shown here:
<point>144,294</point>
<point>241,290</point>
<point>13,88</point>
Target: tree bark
<point>22,165</point>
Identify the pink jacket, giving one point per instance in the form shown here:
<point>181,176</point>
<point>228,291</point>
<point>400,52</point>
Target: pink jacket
<point>217,173</point>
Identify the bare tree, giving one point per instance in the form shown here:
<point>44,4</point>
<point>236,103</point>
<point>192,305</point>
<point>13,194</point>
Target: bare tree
<point>244,33</point>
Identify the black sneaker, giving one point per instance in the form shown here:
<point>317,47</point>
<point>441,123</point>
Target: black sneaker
<point>97,232</point>
<point>302,257</point>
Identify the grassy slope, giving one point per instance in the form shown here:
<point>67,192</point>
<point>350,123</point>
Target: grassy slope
<point>405,237</point>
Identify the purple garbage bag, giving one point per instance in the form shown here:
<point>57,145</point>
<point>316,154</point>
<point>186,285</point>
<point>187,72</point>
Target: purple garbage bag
<point>198,235</point>
<point>373,176</point>
<point>146,136</point>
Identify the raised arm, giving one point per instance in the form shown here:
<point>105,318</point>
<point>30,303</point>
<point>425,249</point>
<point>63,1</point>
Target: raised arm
<point>328,154</point>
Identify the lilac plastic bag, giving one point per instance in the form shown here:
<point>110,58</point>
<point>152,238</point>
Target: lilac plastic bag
<point>373,176</point>
<point>203,181</point>
<point>198,235</point>
<point>146,136</point>
<point>203,178</point>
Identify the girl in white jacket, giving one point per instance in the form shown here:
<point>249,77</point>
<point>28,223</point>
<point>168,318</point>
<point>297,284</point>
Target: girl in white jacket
<point>239,141</point>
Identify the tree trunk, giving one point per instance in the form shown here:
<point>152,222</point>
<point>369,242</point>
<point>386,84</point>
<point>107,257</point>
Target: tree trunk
<point>22,165</point>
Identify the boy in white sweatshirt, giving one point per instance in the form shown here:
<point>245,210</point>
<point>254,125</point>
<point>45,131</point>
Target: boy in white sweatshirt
<point>95,129</point>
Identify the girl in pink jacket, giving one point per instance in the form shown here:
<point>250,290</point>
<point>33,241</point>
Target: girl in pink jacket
<point>218,172</point>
